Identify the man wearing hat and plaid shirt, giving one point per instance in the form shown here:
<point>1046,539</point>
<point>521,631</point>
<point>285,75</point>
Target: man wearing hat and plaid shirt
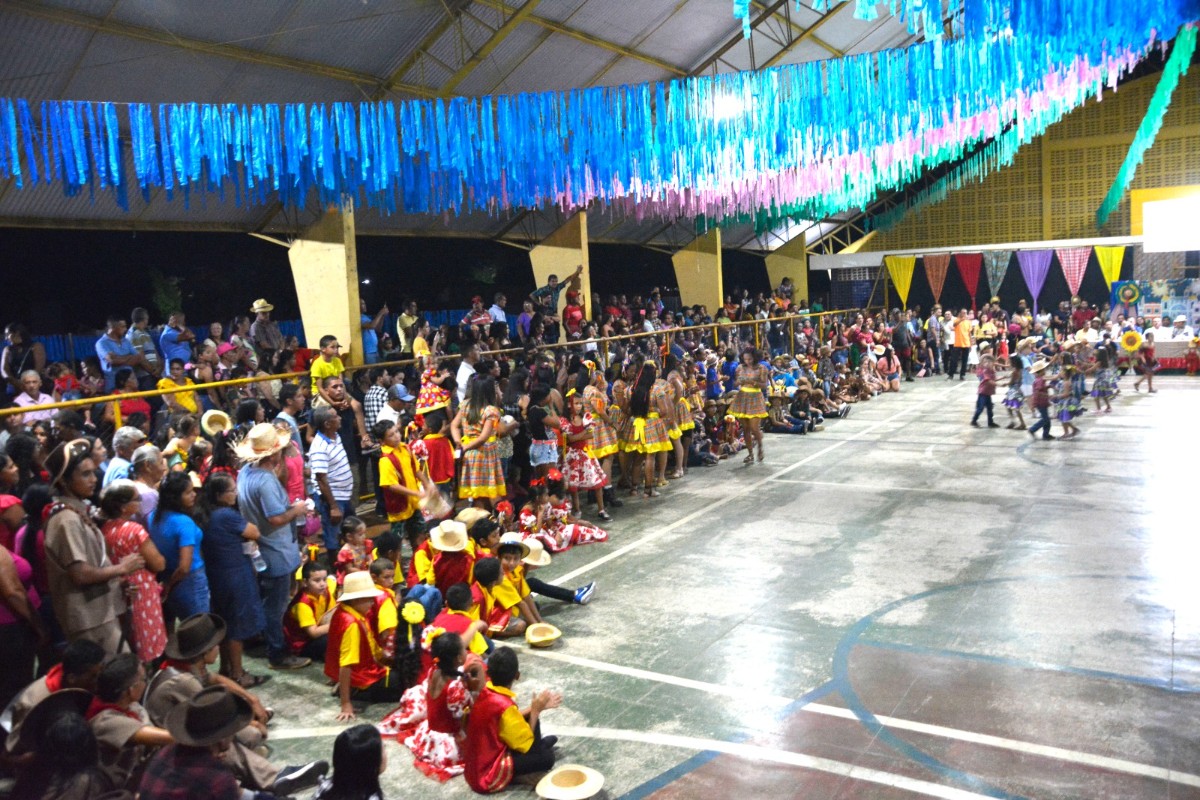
<point>264,332</point>
<point>477,315</point>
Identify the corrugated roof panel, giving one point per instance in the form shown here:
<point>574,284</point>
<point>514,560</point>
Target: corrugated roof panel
<point>559,63</point>
<point>366,41</point>
<point>490,76</point>
<point>208,21</point>
<point>844,32</point>
<point>452,49</point>
<point>887,35</point>
<point>270,85</point>
<point>630,70</point>
<point>559,10</point>
<point>804,51</point>
<point>36,55</point>
<point>95,8</point>
<point>127,70</point>
<point>688,37</point>
<point>624,26</point>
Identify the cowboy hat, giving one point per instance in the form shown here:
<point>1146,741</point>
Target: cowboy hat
<point>46,713</point>
<point>1039,365</point>
<point>984,346</point>
<point>261,306</point>
<point>358,586</point>
<point>469,516</point>
<point>215,420</point>
<point>513,539</point>
<point>449,537</point>
<point>1069,344</point>
<point>212,715</point>
<point>1181,318</point>
<point>879,349</point>
<point>1028,341</point>
<point>541,634</point>
<point>570,782</point>
<point>195,636</point>
<point>538,557</point>
<point>262,441</point>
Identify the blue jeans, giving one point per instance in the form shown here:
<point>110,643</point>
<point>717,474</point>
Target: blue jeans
<point>329,532</point>
<point>429,597</point>
<point>1043,423</point>
<point>276,593</point>
<point>190,596</point>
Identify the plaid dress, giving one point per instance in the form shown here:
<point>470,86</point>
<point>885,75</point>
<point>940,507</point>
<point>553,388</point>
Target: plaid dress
<point>748,401</point>
<point>481,473</point>
<point>604,435</point>
<point>621,420</point>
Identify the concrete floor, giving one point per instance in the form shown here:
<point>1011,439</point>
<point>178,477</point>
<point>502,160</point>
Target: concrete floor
<point>899,606</point>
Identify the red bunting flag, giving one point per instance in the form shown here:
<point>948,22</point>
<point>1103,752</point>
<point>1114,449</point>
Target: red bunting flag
<point>968,266</point>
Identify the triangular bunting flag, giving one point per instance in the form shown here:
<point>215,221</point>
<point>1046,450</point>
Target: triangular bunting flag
<point>1110,259</point>
<point>1074,262</point>
<point>995,264</point>
<point>936,265</point>
<point>900,268</point>
<point>968,267</point>
<point>1035,265</point>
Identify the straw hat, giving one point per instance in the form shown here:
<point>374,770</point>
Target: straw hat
<point>514,539</point>
<point>358,586</point>
<point>469,516</point>
<point>541,634</point>
<point>985,346</point>
<point>261,442</point>
<point>1181,318</point>
<point>449,537</point>
<point>212,715</point>
<point>1069,344</point>
<point>46,713</point>
<point>1028,341</point>
<point>538,557</point>
<point>1039,365</point>
<point>261,306</point>
<point>195,636</point>
<point>570,782</point>
<point>879,349</point>
<point>215,420</point>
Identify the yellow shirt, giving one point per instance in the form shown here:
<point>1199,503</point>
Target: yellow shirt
<point>348,652</point>
<point>307,616</point>
<point>322,369</point>
<point>514,728</point>
<point>388,476</point>
<point>511,589</point>
<point>185,399</point>
<point>420,348</point>
<point>387,619</point>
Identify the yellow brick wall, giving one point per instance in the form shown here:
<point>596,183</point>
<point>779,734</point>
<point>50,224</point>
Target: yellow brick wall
<point>1056,183</point>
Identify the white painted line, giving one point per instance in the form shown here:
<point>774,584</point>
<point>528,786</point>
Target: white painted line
<point>769,754</point>
<point>305,733</point>
<point>959,493</point>
<point>1047,751</point>
<point>703,510</point>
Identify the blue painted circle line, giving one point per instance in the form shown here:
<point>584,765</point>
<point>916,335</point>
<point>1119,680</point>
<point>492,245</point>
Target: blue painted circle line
<point>842,684</point>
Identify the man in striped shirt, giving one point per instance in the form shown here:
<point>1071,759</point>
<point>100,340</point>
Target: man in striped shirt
<point>331,473</point>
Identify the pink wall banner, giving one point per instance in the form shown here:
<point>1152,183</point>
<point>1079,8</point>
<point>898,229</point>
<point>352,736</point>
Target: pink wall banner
<point>1074,261</point>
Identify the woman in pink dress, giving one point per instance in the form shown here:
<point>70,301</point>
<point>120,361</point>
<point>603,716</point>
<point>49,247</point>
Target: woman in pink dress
<point>120,503</point>
<point>432,717</point>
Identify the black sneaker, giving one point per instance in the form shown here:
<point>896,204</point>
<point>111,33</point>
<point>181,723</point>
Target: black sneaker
<point>993,425</point>
<point>294,779</point>
<point>291,662</point>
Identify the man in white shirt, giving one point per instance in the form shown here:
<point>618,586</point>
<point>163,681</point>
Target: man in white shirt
<point>397,399</point>
<point>496,312</point>
<point>331,473</point>
<point>465,370</point>
<point>1181,330</point>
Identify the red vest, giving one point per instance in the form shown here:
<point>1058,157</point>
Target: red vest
<point>396,504</point>
<point>451,568</point>
<point>367,671</point>
<point>293,634</point>
<point>487,764</point>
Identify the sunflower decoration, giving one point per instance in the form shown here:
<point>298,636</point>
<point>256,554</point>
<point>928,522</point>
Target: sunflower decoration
<point>1131,341</point>
<point>1129,293</point>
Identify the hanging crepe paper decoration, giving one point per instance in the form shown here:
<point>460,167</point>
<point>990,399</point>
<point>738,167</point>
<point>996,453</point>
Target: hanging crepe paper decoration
<point>936,266</point>
<point>968,267</point>
<point>1177,65</point>
<point>1110,259</point>
<point>805,140</point>
<point>900,268</point>
<point>1035,265</point>
<point>995,264</point>
<point>1073,261</point>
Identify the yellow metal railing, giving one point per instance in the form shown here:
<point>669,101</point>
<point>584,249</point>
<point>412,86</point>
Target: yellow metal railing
<point>759,327</point>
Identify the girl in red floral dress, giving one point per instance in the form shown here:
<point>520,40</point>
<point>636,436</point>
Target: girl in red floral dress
<point>584,472</point>
<point>549,520</point>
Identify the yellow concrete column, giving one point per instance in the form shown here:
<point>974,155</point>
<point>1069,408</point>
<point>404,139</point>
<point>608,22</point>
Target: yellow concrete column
<point>698,272</point>
<point>325,269</point>
<point>790,261</point>
<point>561,253</point>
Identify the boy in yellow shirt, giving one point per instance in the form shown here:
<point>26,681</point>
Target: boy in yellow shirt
<point>512,592</point>
<point>327,365</point>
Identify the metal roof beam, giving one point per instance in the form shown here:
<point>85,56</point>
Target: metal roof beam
<point>799,29</point>
<point>733,40</point>
<point>63,16</point>
<point>807,33</point>
<point>394,80</point>
<point>511,24</point>
<point>587,38</point>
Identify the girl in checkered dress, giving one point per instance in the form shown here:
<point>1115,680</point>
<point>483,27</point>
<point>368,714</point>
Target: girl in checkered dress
<point>476,429</point>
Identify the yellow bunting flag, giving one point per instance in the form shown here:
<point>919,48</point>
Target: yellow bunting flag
<point>900,268</point>
<point>1110,259</point>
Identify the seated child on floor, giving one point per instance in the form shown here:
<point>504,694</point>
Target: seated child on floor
<point>502,741</point>
<point>456,618</point>
<point>485,537</point>
<point>306,622</point>
<point>355,553</point>
<point>501,622</point>
<point>385,613</point>
<point>451,561</point>
<point>354,660</point>
<point>512,592</point>
<point>538,557</point>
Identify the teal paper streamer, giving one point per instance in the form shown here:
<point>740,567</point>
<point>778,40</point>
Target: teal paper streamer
<point>1143,140</point>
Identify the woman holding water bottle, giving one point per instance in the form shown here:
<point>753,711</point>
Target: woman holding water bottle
<point>230,548</point>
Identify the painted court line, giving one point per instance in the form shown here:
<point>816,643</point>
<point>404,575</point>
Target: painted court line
<point>703,510</point>
<point>1000,742</point>
<point>859,487</point>
<point>770,754</point>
